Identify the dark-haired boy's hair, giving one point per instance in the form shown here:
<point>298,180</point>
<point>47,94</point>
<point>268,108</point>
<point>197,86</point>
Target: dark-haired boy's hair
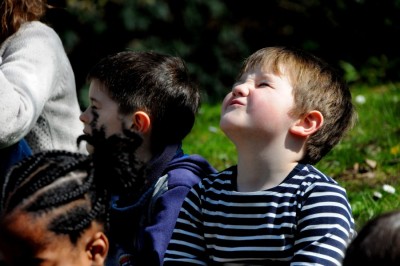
<point>155,83</point>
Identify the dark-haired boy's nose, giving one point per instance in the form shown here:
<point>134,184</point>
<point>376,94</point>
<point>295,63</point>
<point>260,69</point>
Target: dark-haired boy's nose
<point>84,116</point>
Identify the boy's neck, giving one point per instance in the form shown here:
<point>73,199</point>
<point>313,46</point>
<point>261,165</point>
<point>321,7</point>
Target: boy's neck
<point>257,179</point>
<point>261,168</point>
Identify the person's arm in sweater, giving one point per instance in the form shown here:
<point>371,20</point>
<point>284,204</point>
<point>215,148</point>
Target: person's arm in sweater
<point>27,72</point>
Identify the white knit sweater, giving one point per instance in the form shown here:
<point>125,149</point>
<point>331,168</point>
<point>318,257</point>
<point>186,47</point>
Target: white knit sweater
<point>38,97</point>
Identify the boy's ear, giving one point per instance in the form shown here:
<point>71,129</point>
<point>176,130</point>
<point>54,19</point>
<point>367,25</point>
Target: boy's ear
<point>141,122</point>
<point>97,249</point>
<point>307,125</point>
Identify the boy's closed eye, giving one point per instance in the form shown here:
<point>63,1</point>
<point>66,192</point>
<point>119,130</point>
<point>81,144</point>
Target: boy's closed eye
<point>263,84</point>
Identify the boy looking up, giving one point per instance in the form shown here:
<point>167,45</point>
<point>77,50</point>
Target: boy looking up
<point>286,110</point>
<point>150,94</point>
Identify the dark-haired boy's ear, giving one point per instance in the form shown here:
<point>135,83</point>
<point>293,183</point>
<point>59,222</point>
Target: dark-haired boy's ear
<point>97,249</point>
<point>141,122</point>
<point>308,124</point>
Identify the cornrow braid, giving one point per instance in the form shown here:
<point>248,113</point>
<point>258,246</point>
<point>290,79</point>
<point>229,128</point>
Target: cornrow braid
<point>21,172</point>
<point>49,167</point>
<point>74,222</point>
<point>117,150</point>
<point>60,195</point>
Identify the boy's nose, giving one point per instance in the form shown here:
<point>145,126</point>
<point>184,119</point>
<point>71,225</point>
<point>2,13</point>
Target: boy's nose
<point>84,117</point>
<point>240,90</point>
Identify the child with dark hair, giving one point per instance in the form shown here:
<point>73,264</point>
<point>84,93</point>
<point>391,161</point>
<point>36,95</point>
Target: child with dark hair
<point>377,243</point>
<point>286,110</point>
<point>152,95</point>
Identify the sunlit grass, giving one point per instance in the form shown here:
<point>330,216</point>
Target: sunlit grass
<point>208,140</point>
<point>366,159</point>
<point>375,136</point>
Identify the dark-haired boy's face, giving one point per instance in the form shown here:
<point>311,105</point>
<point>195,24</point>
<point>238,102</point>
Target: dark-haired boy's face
<point>102,112</point>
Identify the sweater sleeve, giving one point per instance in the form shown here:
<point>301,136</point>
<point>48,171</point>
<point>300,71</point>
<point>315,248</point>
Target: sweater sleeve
<point>27,73</point>
<point>187,245</point>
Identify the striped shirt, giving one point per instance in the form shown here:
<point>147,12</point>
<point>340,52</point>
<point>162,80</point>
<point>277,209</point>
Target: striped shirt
<point>305,220</point>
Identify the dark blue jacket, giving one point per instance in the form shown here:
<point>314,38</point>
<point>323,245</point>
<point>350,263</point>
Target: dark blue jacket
<point>140,232</point>
<point>11,155</point>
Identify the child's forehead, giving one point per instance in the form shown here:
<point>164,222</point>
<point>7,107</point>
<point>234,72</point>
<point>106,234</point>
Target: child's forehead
<point>98,85</point>
<point>29,236</point>
<point>25,226</point>
<point>264,70</point>
<point>100,92</point>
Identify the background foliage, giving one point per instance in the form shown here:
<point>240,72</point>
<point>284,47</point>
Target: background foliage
<point>214,36</point>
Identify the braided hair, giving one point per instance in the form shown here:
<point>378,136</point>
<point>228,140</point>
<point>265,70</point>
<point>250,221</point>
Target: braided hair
<point>72,189</point>
<point>52,180</point>
<point>115,161</point>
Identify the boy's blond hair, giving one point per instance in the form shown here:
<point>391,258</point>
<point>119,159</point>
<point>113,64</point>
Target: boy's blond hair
<point>316,86</point>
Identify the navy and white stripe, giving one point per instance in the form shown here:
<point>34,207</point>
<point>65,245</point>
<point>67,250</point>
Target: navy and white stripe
<point>306,220</point>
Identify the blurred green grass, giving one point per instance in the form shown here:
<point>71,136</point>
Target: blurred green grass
<point>363,162</point>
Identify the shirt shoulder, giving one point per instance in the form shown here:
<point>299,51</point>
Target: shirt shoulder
<point>308,175</point>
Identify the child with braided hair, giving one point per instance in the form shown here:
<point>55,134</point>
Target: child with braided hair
<point>54,204</point>
<point>53,212</point>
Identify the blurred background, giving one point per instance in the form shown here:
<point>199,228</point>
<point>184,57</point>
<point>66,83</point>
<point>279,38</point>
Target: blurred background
<point>359,37</point>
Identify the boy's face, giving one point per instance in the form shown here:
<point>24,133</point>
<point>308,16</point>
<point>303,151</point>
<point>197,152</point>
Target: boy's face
<point>258,107</point>
<point>104,111</point>
<point>26,241</point>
